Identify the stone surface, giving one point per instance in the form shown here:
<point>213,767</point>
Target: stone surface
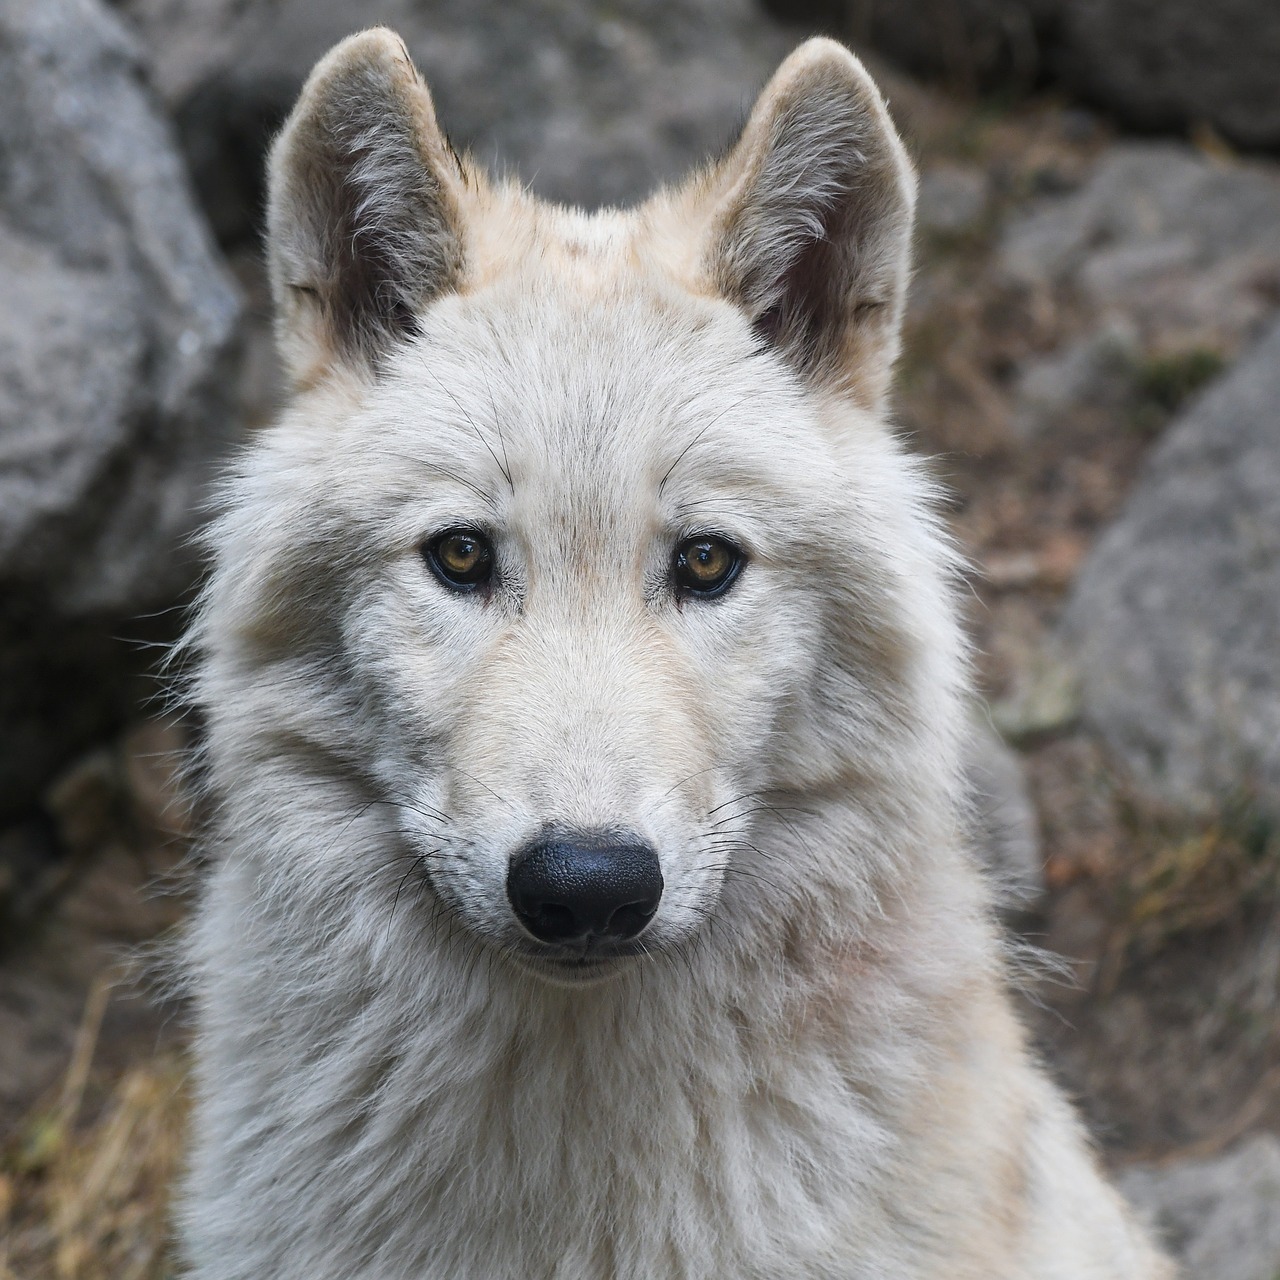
<point>953,200</point>
<point>967,42</point>
<point>1176,615</point>
<point>1156,271</point>
<point>1166,64</point>
<point>1162,64</point>
<point>115,337</point>
<point>1006,831</point>
<point>1220,1216</point>
<point>1183,250</point>
<point>592,103</point>
<point>1096,370</point>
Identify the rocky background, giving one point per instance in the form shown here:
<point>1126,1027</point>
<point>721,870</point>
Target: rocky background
<point>1093,357</point>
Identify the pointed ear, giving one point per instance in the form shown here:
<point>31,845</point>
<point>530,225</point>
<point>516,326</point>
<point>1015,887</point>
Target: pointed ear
<point>363,223</point>
<point>811,223</point>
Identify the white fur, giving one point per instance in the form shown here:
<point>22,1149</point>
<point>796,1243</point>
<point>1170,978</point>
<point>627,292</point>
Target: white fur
<point>814,1073</point>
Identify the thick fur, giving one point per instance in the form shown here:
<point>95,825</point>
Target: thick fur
<point>814,1070</point>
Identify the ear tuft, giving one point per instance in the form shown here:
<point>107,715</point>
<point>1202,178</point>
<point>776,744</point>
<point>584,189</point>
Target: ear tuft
<point>812,232</point>
<point>363,213</point>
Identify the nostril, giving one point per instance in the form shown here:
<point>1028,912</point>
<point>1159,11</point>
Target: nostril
<point>568,888</point>
<point>549,920</point>
<point>630,919</point>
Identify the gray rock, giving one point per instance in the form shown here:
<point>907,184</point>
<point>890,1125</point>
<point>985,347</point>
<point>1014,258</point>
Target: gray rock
<point>953,200</point>
<point>1184,250</point>
<point>591,103</point>
<point>1167,64</point>
<point>1006,830</point>
<point>1097,370</point>
<point>967,42</point>
<point>1163,64</point>
<point>1220,1216</point>
<point>1044,698</point>
<point>115,335</point>
<point>1175,618</point>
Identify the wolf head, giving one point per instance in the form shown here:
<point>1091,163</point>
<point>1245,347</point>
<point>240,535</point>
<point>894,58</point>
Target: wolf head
<point>581,585</point>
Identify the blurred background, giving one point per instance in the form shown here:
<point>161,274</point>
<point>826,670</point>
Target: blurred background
<point>1092,357</point>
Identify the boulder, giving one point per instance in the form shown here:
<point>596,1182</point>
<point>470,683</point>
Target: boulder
<point>1175,616</point>
<point>591,103</point>
<point>1171,259</point>
<point>1154,64</point>
<point>1005,827</point>
<point>1169,64</point>
<point>969,43</point>
<point>115,336</point>
<point>1096,370</point>
<point>1220,1216</point>
<point>1179,251</point>
<point>953,200</point>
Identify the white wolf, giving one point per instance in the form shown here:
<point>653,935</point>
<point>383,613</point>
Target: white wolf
<point>585,704</point>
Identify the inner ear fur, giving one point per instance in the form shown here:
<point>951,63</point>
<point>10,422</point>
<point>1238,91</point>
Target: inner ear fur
<point>811,222</point>
<point>363,224</point>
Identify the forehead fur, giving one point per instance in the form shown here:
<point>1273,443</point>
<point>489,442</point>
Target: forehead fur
<point>588,393</point>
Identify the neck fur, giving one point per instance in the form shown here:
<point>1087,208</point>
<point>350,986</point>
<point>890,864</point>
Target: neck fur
<point>486,1118</point>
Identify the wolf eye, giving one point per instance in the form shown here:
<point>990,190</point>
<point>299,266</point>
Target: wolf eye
<point>706,567</point>
<point>461,558</point>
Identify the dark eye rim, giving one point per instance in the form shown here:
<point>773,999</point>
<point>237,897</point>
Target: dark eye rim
<point>463,586</point>
<point>738,560</point>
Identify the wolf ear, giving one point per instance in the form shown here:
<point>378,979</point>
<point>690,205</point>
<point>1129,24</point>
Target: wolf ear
<point>811,222</point>
<point>363,224</point>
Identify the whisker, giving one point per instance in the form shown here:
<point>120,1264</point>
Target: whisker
<point>484,786</point>
<point>435,469</point>
<point>471,422</point>
<point>666,475</point>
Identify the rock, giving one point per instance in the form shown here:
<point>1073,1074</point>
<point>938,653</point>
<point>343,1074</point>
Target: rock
<point>1175,617</point>
<point>1006,831</point>
<point>1220,1216</point>
<point>953,200</point>
<point>1154,64</point>
<point>967,42</point>
<point>1044,700</point>
<point>1098,370</point>
<point>1167,64</point>
<point>1183,250</point>
<point>115,338</point>
<point>591,103</point>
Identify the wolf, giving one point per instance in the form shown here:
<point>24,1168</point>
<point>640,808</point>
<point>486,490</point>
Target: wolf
<point>589,893</point>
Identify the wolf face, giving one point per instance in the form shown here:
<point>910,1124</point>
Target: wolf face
<point>572,727</point>
<point>596,554</point>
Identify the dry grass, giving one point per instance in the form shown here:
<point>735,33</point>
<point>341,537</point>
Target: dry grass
<point>1182,879</point>
<point>85,1184</point>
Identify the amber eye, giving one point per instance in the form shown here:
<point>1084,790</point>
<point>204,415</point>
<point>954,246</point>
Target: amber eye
<point>706,567</point>
<point>461,558</point>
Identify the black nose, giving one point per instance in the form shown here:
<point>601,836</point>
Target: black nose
<point>567,888</point>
